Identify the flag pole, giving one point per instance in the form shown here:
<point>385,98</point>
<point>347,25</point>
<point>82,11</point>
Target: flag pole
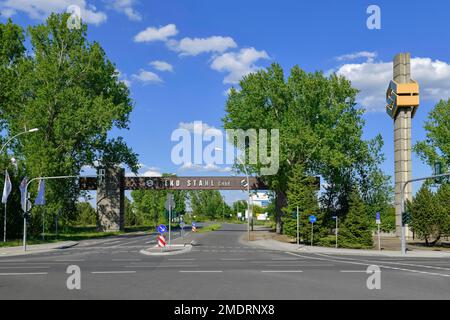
<point>4,226</point>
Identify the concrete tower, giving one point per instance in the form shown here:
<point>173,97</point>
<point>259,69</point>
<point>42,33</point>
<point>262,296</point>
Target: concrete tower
<point>402,103</point>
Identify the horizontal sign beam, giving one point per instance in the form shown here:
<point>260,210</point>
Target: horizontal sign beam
<point>180,183</point>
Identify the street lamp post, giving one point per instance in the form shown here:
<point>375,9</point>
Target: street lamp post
<point>1,150</point>
<point>26,204</point>
<point>249,210</point>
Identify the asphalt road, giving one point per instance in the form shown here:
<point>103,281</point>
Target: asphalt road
<point>220,267</point>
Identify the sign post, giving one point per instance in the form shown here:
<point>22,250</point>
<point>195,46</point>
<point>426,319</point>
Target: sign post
<point>170,203</point>
<point>378,220</point>
<point>162,229</point>
<point>336,231</point>
<point>312,219</point>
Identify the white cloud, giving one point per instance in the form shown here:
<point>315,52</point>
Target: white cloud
<point>204,168</point>
<point>372,78</point>
<point>199,126</point>
<point>126,7</point>
<point>40,9</point>
<point>356,55</point>
<point>145,171</point>
<point>147,77</point>
<point>238,64</point>
<point>157,34</point>
<point>195,46</point>
<point>161,65</point>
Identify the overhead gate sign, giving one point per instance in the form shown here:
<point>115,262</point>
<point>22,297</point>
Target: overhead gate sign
<point>181,183</point>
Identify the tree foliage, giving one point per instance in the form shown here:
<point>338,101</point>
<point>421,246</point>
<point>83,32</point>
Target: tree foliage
<point>355,232</point>
<point>430,214</point>
<point>208,204</point>
<point>436,146</point>
<point>320,128</point>
<point>68,88</point>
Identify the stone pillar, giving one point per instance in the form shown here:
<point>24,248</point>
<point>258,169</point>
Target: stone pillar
<point>110,199</point>
<point>402,141</point>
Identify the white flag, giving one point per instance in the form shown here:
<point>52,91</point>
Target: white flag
<point>6,188</point>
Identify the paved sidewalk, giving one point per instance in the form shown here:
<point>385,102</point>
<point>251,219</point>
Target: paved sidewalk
<point>36,248</point>
<point>282,246</point>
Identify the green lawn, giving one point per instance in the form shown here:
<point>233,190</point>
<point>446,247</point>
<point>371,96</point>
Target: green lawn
<point>208,228</point>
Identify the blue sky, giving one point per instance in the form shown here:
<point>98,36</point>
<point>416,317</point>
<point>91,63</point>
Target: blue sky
<point>207,45</point>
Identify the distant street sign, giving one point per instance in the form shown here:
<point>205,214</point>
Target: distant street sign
<point>378,218</point>
<point>182,224</point>
<point>312,219</point>
<point>162,228</point>
<point>170,202</point>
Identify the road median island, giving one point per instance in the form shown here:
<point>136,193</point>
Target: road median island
<point>167,251</point>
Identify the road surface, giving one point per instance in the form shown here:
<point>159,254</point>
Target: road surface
<point>221,267</point>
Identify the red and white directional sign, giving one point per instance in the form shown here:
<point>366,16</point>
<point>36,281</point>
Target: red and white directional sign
<point>161,241</point>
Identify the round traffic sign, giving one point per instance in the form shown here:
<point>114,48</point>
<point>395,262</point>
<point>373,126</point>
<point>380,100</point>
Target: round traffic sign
<point>312,219</point>
<point>162,228</point>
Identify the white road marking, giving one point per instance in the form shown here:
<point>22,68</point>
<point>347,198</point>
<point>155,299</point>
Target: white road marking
<point>24,267</point>
<point>372,263</point>
<point>126,259</point>
<point>68,260</point>
<point>181,259</point>
<point>353,271</point>
<point>300,265</point>
<point>281,271</point>
<point>112,272</point>
<point>24,274</point>
<point>401,263</point>
<point>164,266</point>
<point>200,271</point>
<point>233,259</point>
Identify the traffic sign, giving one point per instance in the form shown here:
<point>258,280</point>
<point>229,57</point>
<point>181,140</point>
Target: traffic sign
<point>378,218</point>
<point>182,224</point>
<point>161,241</point>
<point>170,202</point>
<point>312,219</point>
<point>162,228</point>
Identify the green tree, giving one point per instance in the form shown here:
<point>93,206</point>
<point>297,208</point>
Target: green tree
<point>436,147</point>
<point>430,220</point>
<point>207,204</point>
<point>320,128</point>
<point>356,232</point>
<point>68,89</point>
<point>85,215</point>
<point>301,194</point>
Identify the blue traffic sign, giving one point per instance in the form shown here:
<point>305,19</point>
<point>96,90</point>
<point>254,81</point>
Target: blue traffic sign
<point>312,219</point>
<point>194,224</point>
<point>378,216</point>
<point>162,228</point>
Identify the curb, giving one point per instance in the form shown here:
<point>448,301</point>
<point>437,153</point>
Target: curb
<point>281,246</point>
<point>186,248</point>
<point>62,246</point>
